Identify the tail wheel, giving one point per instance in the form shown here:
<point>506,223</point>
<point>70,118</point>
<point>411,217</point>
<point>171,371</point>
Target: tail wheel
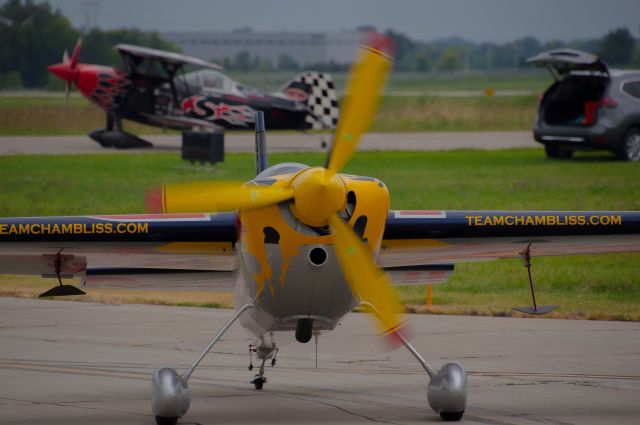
<point>258,382</point>
<point>629,149</point>
<point>555,152</point>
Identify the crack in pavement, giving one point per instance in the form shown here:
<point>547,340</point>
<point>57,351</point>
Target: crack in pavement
<point>342,409</point>
<point>539,419</point>
<point>74,406</point>
<point>488,421</point>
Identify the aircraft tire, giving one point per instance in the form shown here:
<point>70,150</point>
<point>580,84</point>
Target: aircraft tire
<point>160,420</point>
<point>451,416</point>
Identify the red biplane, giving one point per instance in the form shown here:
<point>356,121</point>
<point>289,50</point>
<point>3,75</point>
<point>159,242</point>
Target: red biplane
<point>153,89</point>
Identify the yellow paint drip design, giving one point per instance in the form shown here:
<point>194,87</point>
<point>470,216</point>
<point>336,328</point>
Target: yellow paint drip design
<point>255,246</point>
<point>290,249</point>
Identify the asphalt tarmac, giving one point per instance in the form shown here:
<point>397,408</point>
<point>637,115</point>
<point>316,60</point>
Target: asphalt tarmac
<point>81,363</point>
<point>279,142</point>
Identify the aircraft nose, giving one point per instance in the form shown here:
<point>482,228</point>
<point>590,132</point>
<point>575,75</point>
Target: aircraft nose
<point>63,71</point>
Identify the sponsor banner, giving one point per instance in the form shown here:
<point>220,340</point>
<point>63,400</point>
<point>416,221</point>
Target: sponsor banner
<point>543,220</point>
<point>45,229</point>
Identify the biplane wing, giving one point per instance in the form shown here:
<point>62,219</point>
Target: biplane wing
<point>134,55</point>
<point>417,238</point>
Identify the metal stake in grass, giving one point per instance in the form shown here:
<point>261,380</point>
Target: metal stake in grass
<point>535,310</point>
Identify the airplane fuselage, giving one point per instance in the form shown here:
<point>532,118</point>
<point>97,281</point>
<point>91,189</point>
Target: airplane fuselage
<point>289,270</point>
<point>151,101</point>
<point>233,111</point>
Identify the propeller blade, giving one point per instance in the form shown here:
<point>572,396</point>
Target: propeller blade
<point>212,197</point>
<point>362,98</point>
<point>76,54</point>
<point>65,57</point>
<point>368,281</point>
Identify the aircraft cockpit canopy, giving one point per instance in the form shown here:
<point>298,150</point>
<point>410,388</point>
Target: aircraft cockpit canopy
<point>280,169</point>
<point>205,79</point>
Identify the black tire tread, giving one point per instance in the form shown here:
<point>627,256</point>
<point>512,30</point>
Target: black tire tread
<point>160,420</point>
<point>451,416</point>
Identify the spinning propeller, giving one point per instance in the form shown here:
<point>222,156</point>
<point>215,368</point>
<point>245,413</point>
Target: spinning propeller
<point>67,70</point>
<point>318,193</point>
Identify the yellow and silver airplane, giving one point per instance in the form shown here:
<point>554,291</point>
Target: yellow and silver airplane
<point>308,245</point>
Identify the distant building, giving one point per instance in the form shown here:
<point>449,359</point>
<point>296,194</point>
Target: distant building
<point>303,47</point>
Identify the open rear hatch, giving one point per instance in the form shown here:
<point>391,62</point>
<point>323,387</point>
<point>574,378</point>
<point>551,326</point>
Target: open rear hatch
<point>561,62</point>
<point>581,82</point>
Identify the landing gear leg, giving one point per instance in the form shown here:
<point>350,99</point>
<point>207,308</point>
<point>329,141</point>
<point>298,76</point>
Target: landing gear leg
<point>110,121</point>
<point>170,397</point>
<point>114,136</point>
<point>447,388</point>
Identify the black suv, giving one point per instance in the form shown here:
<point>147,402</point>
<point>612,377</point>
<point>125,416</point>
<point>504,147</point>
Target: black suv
<point>588,107</point>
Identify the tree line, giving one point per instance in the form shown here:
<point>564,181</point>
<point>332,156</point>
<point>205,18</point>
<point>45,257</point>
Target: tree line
<point>33,36</point>
<point>618,48</point>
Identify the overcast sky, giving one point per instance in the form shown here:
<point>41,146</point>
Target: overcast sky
<point>474,20</point>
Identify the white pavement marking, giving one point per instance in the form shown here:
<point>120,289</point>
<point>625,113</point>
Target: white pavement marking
<point>279,142</point>
<point>77,363</point>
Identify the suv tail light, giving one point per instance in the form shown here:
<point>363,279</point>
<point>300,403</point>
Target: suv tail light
<point>607,102</point>
<point>591,108</point>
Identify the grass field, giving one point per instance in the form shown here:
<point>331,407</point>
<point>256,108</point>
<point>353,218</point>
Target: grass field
<point>605,286</point>
<point>412,104</point>
<point>424,113</point>
<point>46,116</point>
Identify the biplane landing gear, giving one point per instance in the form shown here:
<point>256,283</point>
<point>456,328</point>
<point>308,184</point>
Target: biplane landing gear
<point>447,388</point>
<point>113,135</point>
<point>170,397</point>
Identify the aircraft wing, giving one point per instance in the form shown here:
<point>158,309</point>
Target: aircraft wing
<point>121,248</point>
<point>418,238</point>
<point>137,54</point>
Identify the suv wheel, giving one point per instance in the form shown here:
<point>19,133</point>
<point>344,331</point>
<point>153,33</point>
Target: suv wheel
<point>629,149</point>
<point>555,152</point>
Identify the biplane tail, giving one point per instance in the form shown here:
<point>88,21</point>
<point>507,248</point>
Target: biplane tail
<point>317,91</point>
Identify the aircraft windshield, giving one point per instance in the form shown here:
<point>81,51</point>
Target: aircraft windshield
<point>279,169</point>
<point>207,79</point>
